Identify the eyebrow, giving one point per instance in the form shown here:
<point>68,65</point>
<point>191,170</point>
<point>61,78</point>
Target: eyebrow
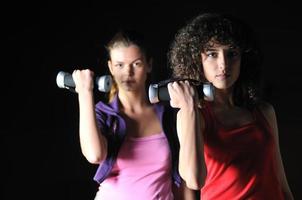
<point>216,48</point>
<point>135,60</point>
<point>210,49</point>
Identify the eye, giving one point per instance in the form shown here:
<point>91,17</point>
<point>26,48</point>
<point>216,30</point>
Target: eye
<point>233,54</point>
<point>119,65</point>
<point>137,64</point>
<point>211,54</point>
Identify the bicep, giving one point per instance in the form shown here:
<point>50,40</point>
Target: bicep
<point>270,116</point>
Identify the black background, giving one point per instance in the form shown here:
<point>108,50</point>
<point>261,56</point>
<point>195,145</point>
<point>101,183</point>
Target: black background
<point>40,152</point>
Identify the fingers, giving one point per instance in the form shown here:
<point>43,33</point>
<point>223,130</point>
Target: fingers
<point>173,94</point>
<point>181,93</point>
<point>86,72</point>
<point>83,79</point>
<point>181,87</point>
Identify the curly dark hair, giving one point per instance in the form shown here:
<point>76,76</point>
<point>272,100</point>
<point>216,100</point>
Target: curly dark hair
<point>184,55</point>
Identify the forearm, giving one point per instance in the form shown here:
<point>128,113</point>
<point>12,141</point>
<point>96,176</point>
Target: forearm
<point>288,195</point>
<point>285,186</point>
<point>93,143</point>
<point>191,158</point>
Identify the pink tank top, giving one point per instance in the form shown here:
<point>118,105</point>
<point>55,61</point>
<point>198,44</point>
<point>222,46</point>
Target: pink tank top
<point>240,161</point>
<point>142,171</point>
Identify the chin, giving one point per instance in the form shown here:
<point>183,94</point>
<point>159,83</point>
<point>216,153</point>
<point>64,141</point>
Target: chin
<point>129,88</point>
<point>222,87</point>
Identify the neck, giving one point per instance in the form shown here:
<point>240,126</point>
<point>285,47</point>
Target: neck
<point>133,102</point>
<point>223,99</point>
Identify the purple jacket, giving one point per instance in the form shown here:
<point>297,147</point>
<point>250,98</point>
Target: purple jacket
<point>113,126</point>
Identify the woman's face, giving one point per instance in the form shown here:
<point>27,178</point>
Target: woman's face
<point>221,65</point>
<point>129,68</point>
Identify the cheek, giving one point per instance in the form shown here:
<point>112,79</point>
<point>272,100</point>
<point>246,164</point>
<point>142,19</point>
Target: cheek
<point>141,72</point>
<point>116,76</point>
<point>237,73</point>
<point>236,69</point>
<point>208,69</point>
<point>208,74</point>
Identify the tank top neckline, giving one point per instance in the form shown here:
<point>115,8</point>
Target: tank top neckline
<point>147,138</point>
<point>225,127</point>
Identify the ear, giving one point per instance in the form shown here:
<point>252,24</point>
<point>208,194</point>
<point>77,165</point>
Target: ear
<point>110,67</point>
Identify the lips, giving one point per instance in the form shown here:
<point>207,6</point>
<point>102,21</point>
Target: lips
<point>222,76</point>
<point>128,81</point>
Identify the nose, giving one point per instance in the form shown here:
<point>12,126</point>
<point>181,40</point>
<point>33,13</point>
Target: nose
<point>223,62</point>
<point>129,70</point>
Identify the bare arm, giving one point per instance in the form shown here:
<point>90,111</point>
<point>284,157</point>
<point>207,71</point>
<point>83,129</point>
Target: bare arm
<point>189,129</point>
<point>270,115</point>
<point>93,143</point>
<point>184,193</point>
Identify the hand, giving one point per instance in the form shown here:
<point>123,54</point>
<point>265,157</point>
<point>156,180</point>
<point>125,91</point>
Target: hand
<point>83,80</point>
<point>182,94</point>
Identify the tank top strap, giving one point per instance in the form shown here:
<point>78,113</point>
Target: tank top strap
<point>209,118</point>
<point>261,119</point>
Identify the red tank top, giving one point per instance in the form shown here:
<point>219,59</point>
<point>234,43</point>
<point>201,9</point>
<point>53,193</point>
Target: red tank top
<point>240,161</point>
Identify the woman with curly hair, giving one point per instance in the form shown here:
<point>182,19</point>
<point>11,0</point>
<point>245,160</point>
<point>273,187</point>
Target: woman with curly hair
<point>237,133</point>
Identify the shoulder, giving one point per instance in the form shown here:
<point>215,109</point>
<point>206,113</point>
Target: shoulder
<point>105,107</point>
<point>101,106</point>
<point>266,109</point>
<point>269,114</point>
<point>104,110</point>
